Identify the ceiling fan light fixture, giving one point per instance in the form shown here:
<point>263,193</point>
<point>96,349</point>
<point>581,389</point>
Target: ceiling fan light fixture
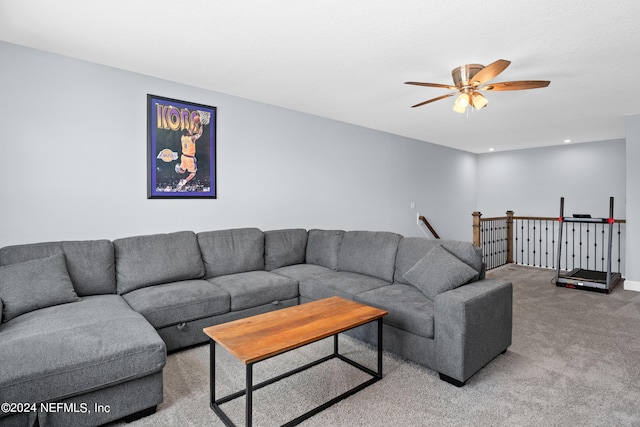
<point>458,108</point>
<point>478,101</point>
<point>462,101</point>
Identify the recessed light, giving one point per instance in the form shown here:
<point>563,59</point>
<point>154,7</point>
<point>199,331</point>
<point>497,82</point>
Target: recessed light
<point>491,149</point>
<point>567,141</point>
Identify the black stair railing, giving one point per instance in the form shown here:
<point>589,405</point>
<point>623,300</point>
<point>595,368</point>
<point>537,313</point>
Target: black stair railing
<point>529,240</point>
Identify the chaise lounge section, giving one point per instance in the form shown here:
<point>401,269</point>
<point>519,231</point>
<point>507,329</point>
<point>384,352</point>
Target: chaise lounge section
<point>68,339</point>
<point>89,323</point>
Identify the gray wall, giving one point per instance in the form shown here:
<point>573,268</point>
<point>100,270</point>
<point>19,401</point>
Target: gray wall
<point>633,203</point>
<point>73,141</point>
<point>531,182</point>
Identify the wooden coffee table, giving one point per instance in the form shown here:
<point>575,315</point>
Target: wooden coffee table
<point>260,337</point>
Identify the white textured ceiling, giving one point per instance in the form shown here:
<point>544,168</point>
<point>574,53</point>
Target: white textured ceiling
<point>347,60</point>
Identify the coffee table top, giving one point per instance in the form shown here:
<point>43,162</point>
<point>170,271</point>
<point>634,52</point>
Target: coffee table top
<point>258,337</point>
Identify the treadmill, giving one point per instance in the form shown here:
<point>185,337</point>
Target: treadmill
<point>580,278</point>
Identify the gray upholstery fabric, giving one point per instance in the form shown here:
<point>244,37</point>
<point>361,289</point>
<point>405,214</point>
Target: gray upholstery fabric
<point>155,259</point>
<point>90,263</point>
<point>68,349</point>
<point>284,247</point>
<point>411,249</point>
<point>472,325</point>
<point>369,252</point>
<point>302,271</point>
<point>338,283</point>
<point>232,251</point>
<point>147,390</point>
<point>178,302</point>
<point>439,271</point>
<point>191,332</point>
<point>123,399</point>
<point>416,348</point>
<point>323,247</point>
<point>256,288</point>
<point>35,284</point>
<point>408,308</point>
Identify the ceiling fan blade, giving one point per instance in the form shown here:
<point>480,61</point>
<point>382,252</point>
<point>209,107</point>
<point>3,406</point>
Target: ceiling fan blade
<point>517,85</point>
<point>490,72</point>
<point>432,85</point>
<point>434,99</point>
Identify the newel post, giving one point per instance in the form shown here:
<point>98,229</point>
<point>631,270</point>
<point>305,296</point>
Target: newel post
<point>476,228</point>
<point>509,237</point>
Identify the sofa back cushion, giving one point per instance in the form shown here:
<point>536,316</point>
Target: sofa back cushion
<point>413,249</point>
<point>284,247</point>
<point>323,247</point>
<point>231,251</point>
<point>143,261</point>
<point>90,263</point>
<point>369,252</point>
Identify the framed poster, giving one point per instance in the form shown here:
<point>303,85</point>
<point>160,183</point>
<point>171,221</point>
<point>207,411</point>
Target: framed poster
<point>181,149</point>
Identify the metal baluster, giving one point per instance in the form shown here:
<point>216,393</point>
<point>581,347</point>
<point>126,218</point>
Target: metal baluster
<point>553,243</point>
<point>534,243</point>
<point>573,252</point>
<point>619,238</point>
<point>515,245</point>
<point>546,243</point>
<point>566,246</point>
<point>580,244</point>
<point>587,248</point>
<point>603,236</point>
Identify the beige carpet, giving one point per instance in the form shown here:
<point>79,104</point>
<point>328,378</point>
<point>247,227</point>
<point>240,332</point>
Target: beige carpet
<point>574,361</point>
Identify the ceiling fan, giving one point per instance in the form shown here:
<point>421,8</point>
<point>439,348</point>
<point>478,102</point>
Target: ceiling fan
<point>471,78</point>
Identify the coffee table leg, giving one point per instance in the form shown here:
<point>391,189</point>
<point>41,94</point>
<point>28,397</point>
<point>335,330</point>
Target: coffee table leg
<point>212,371</point>
<point>249,393</point>
<point>380,347</point>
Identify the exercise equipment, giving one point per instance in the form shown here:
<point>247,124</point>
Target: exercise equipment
<point>579,278</point>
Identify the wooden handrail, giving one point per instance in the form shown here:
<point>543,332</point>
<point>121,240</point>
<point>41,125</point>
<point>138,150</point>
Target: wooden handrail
<point>426,222</point>
<point>537,218</point>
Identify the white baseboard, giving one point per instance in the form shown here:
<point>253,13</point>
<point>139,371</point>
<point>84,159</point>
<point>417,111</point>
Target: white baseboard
<point>630,285</point>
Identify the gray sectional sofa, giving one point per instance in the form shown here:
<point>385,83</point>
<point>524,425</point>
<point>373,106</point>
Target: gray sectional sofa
<point>86,325</point>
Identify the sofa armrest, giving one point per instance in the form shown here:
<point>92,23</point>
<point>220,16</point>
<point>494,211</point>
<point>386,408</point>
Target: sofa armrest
<point>472,325</point>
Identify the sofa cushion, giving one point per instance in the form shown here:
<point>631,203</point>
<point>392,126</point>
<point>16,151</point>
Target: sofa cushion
<point>178,302</point>
<point>256,288</point>
<point>302,271</point>
<point>439,271</point>
<point>90,263</point>
<point>155,259</point>
<point>369,252</point>
<point>323,247</point>
<point>35,284</point>
<point>231,251</point>
<point>71,349</point>
<point>338,283</point>
<point>409,309</point>
<point>284,247</point>
<point>412,249</point>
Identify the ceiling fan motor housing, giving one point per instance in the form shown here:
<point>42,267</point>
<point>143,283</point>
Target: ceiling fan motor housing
<point>462,75</point>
